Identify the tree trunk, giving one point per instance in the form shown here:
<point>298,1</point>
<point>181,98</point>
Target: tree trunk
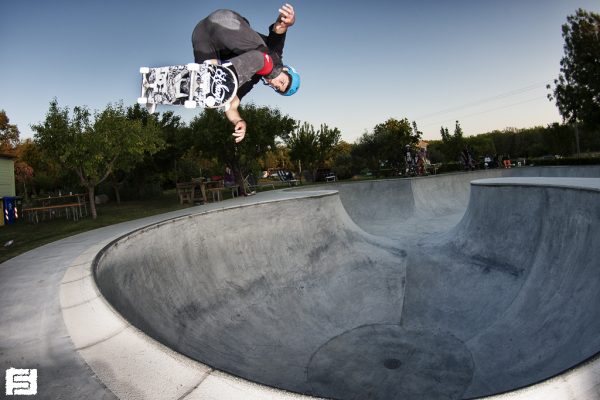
<point>91,194</point>
<point>117,192</point>
<point>239,181</point>
<point>118,195</point>
<point>577,140</point>
<point>25,193</point>
<point>300,170</point>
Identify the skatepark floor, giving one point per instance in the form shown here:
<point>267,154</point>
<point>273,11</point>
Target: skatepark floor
<point>452,286</point>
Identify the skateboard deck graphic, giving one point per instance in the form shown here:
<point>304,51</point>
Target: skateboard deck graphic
<point>191,85</point>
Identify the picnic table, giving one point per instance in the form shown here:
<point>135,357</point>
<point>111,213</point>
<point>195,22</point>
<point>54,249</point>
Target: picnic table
<point>191,192</point>
<point>72,206</point>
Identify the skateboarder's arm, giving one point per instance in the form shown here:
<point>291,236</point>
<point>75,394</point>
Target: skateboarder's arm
<point>233,115</point>
<point>277,31</point>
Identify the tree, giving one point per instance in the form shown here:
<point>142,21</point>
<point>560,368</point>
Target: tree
<point>342,164</point>
<point>9,134</point>
<point>212,134</point>
<point>47,172</point>
<point>452,145</point>
<point>149,135</point>
<point>385,146</point>
<point>445,134</point>
<point>92,150</point>
<point>278,158</point>
<point>365,154</point>
<point>328,139</point>
<point>303,144</point>
<point>176,141</point>
<point>392,137</point>
<point>458,131</point>
<point>312,148</point>
<point>176,161</point>
<point>481,145</point>
<point>577,89</point>
<point>24,177</point>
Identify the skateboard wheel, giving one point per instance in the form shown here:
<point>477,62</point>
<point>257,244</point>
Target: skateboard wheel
<point>144,70</point>
<point>189,104</point>
<point>142,100</point>
<point>193,67</point>
<point>210,101</point>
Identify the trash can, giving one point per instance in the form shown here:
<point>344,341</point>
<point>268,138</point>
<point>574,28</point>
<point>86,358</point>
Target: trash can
<point>12,209</point>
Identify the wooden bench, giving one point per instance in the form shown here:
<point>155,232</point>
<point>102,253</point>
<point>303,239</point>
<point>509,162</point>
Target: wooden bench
<point>216,187</point>
<point>250,184</point>
<point>433,167</point>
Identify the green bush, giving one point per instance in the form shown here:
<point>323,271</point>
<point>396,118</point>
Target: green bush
<point>452,166</point>
<point>566,161</point>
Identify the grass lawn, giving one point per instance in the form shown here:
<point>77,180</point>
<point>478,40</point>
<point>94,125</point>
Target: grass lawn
<point>27,236</point>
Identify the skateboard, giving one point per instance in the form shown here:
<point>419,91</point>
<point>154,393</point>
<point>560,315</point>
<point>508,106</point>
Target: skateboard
<point>192,85</point>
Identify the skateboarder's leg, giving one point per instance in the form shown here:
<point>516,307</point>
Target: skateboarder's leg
<point>224,34</point>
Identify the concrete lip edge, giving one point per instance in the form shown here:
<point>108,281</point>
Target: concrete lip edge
<point>92,323</point>
<point>591,184</point>
<point>578,382</point>
<point>582,380</point>
<point>562,384</point>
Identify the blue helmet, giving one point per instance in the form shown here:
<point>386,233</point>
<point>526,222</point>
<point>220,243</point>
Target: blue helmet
<point>294,81</point>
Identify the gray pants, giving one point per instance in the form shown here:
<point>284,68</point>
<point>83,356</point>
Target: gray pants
<point>226,35</point>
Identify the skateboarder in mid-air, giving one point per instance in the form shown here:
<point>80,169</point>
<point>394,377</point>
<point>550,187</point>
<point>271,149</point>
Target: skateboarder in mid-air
<point>226,35</point>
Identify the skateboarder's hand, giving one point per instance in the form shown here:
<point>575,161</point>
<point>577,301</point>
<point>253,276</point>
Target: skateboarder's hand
<point>286,18</point>
<point>240,130</point>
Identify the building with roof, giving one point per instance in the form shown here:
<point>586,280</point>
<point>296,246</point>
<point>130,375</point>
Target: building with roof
<point>7,175</point>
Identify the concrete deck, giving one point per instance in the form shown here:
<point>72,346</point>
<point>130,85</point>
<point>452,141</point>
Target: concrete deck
<point>381,289</point>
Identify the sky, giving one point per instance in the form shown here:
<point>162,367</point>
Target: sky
<point>485,63</point>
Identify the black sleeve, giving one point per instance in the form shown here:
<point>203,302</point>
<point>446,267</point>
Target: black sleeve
<point>247,87</point>
<point>275,41</point>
